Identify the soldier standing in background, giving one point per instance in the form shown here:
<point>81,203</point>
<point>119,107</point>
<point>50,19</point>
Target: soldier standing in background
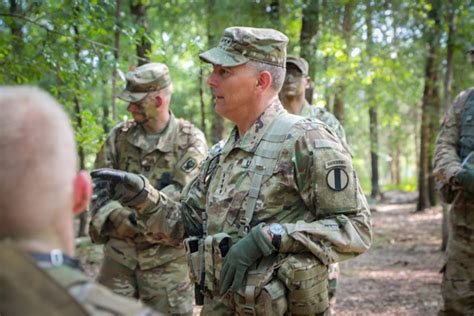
<point>292,96</point>
<point>453,164</point>
<point>272,207</point>
<point>168,152</point>
<point>40,191</point>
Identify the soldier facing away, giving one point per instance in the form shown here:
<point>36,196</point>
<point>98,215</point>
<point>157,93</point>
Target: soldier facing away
<point>272,207</point>
<point>453,164</point>
<point>40,191</point>
<point>168,152</point>
<point>292,96</point>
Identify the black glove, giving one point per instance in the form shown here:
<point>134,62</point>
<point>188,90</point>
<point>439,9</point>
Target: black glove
<point>241,256</point>
<point>125,187</point>
<point>465,178</point>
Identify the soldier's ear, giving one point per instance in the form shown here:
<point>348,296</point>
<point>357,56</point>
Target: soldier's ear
<point>307,82</point>
<point>159,101</point>
<point>82,192</point>
<point>264,80</point>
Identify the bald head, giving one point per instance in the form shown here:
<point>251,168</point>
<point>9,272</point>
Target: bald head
<point>37,164</point>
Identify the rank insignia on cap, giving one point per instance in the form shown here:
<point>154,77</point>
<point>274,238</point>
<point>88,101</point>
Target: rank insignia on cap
<point>337,179</point>
<point>189,165</point>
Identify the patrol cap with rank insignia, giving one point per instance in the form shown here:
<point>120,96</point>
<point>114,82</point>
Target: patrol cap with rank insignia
<point>143,80</point>
<point>238,45</point>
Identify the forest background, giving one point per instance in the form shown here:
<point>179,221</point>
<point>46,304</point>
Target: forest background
<point>387,69</point>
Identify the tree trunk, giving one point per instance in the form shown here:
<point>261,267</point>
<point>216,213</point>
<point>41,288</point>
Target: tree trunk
<point>373,121</point>
<point>201,99</point>
<point>275,13</point>
<point>448,78</point>
<point>116,61</point>
<point>218,125</point>
<point>430,97</point>
<point>139,10</point>
<point>341,87</point>
<point>15,29</point>
<point>309,31</point>
<point>83,218</point>
<point>339,103</point>
<point>433,130</point>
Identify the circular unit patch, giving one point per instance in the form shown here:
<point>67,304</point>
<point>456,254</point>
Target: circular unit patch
<point>337,179</point>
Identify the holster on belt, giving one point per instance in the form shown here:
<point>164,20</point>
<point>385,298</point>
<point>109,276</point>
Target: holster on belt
<point>215,249</point>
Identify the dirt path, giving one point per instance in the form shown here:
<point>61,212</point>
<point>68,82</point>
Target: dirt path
<point>399,274</point>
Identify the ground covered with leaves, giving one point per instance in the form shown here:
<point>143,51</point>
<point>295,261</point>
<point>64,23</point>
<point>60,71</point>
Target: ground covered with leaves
<point>399,275</point>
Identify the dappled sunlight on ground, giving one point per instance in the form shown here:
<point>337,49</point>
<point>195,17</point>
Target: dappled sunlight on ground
<point>399,275</point>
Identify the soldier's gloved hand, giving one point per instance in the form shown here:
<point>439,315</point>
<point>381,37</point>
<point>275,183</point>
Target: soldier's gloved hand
<point>125,187</point>
<point>465,178</point>
<point>241,256</point>
<point>125,222</point>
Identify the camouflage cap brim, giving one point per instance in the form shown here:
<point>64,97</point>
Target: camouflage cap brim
<point>132,97</point>
<point>218,56</point>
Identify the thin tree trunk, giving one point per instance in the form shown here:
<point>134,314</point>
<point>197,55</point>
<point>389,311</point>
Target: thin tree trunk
<point>341,87</point>
<point>15,29</point>
<point>218,126</point>
<point>433,129</point>
<point>430,98</point>
<point>116,61</point>
<point>139,10</point>
<point>373,120</point>
<point>309,32</point>
<point>448,78</point>
<point>201,99</point>
<point>83,218</point>
<point>339,103</point>
<point>275,13</point>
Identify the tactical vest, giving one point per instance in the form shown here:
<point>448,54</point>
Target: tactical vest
<point>301,285</point>
<point>466,135</point>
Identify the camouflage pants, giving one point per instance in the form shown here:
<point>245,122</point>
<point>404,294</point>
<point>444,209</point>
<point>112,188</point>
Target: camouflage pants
<point>333,272</point>
<point>166,288</point>
<point>457,287</point>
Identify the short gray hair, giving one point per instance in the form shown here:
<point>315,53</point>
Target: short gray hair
<point>278,73</point>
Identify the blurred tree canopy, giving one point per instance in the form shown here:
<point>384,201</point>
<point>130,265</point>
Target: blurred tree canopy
<point>366,56</point>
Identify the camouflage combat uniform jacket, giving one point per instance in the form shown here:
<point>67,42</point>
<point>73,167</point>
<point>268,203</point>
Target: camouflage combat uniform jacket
<point>328,218</point>
<point>170,163</point>
<point>95,298</point>
<point>320,113</point>
<point>455,142</point>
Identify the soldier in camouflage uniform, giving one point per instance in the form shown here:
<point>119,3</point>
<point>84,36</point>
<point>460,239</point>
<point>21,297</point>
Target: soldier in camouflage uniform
<point>292,96</point>
<point>168,152</point>
<point>453,164</point>
<point>40,192</point>
<point>272,207</point>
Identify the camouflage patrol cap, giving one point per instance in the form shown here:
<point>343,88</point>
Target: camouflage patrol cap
<point>145,79</point>
<point>299,62</point>
<point>238,45</point>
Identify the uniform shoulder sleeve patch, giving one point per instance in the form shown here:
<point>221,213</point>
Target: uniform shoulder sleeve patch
<point>189,165</point>
<point>337,179</point>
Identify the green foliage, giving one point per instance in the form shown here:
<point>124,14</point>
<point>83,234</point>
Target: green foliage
<point>408,185</point>
<point>67,47</point>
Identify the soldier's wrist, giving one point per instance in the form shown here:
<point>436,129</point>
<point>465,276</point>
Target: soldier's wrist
<point>149,198</point>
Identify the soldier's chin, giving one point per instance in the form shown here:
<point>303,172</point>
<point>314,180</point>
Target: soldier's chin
<point>289,93</point>
<point>141,120</point>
